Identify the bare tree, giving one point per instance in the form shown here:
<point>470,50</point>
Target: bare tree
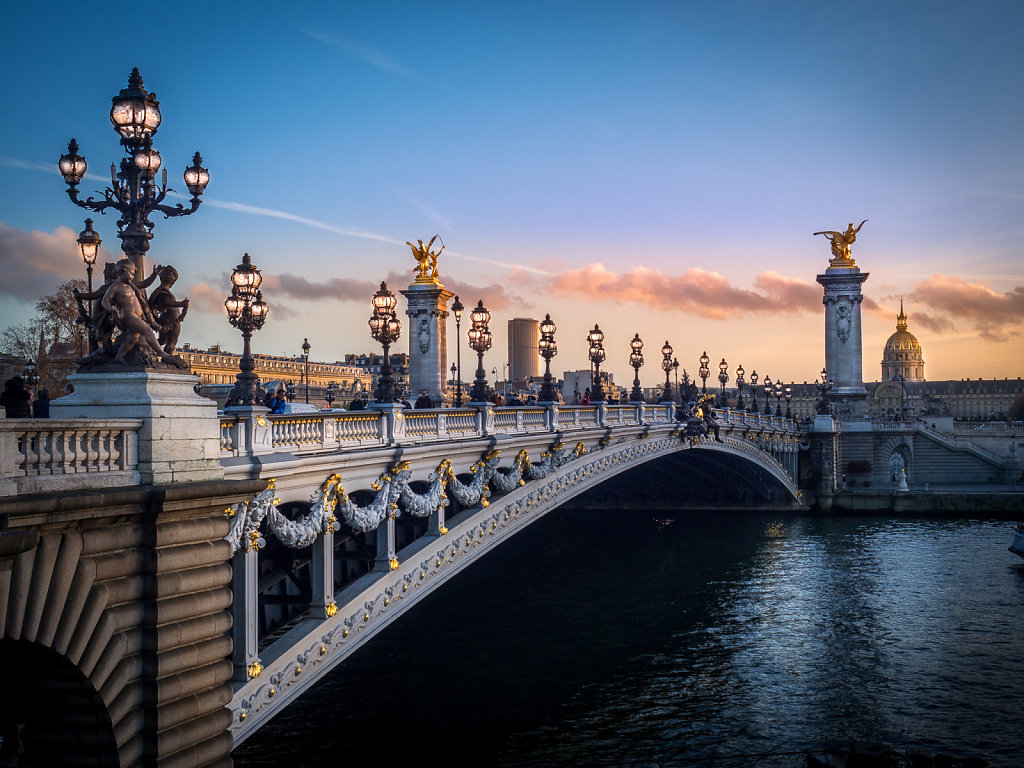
<point>53,339</point>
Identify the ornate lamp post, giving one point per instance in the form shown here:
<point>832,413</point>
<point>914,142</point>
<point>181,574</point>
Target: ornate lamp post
<point>723,379</point>
<point>636,361</point>
<point>704,372</point>
<point>331,393</point>
<point>824,384</point>
<point>548,349</point>
<point>305,358</point>
<point>385,328</point>
<point>31,376</point>
<point>133,190</point>
<point>457,309</point>
<point>675,375</point>
<point>666,366</point>
<point>753,392</point>
<point>89,244</point>
<point>769,387</point>
<point>789,398</point>
<point>479,341</point>
<point>739,386</point>
<point>778,398</point>
<point>247,312</point>
<point>597,356</point>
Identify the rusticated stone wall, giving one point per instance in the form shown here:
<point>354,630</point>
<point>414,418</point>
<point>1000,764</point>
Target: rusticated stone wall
<point>115,627</point>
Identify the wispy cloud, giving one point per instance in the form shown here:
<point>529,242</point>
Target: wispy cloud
<point>254,210</point>
<point>993,316</point>
<point>35,263</point>
<point>695,292</point>
<point>431,213</point>
<point>368,54</point>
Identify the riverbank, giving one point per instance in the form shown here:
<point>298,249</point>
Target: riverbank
<point>1003,505</point>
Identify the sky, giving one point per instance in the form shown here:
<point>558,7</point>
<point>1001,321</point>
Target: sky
<point>653,167</point>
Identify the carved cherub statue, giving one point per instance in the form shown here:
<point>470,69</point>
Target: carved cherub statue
<point>165,309</point>
<point>426,260</point>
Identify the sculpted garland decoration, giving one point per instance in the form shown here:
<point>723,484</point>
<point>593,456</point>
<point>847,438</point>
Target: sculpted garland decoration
<point>393,495</point>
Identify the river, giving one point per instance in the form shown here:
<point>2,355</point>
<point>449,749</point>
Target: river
<point>605,638</point>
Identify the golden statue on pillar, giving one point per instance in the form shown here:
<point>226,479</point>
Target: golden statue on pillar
<point>841,242</point>
<point>426,260</point>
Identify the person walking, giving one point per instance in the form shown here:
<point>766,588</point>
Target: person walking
<point>41,407</point>
<point>424,401</point>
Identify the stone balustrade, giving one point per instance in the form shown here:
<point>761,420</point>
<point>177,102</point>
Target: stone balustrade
<point>67,454</point>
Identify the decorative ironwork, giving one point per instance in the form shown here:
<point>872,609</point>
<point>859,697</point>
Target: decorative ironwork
<point>704,372</point>
<point>305,359</point>
<point>723,378</point>
<point>247,312</point>
<point>597,356</point>
<point>548,349</point>
<point>134,191</point>
<point>457,310</point>
<point>636,361</point>
<point>385,328</point>
<point>480,341</point>
<point>666,366</point>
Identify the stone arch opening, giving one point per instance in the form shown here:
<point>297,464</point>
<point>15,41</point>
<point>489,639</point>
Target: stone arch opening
<point>52,715</point>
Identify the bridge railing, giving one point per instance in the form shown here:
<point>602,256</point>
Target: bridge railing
<point>246,434</point>
<point>243,433</point>
<point>67,454</point>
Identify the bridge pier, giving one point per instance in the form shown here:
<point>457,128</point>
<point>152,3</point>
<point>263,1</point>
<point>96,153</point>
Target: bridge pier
<point>115,627</point>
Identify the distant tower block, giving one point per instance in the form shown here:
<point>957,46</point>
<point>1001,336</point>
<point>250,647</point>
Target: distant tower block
<point>523,348</point>
<point>843,345</point>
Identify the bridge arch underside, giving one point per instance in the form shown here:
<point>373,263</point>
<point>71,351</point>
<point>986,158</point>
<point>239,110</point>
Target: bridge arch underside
<point>693,478</point>
<point>52,715</point>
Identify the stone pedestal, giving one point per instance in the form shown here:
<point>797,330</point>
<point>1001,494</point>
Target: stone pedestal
<point>427,308</point>
<point>179,441</point>
<point>843,345</point>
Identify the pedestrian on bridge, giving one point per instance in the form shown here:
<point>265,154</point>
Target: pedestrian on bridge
<point>424,401</point>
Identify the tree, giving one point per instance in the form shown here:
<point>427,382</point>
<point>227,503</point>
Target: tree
<point>53,339</point>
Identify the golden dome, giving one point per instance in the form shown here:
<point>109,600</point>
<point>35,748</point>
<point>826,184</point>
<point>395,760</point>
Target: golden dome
<point>902,355</point>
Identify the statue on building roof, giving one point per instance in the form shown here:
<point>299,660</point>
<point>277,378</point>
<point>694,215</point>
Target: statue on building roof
<point>841,242</point>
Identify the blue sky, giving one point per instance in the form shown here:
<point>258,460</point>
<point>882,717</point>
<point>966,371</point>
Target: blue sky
<point>689,149</point>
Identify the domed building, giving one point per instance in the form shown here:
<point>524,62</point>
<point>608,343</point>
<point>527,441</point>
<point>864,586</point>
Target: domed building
<point>902,356</point>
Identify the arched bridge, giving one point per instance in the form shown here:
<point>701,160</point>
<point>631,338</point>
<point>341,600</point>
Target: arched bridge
<point>366,513</point>
<point>167,631</point>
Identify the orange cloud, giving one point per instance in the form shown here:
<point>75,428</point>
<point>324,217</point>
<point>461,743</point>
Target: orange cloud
<point>696,291</point>
<point>994,316</point>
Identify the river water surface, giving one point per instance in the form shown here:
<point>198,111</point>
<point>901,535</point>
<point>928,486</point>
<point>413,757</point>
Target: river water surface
<point>602,638</point>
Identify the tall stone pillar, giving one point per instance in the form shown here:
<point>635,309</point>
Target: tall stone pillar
<point>843,347</point>
<point>427,308</point>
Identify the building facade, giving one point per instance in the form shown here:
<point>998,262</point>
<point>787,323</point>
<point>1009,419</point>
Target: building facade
<point>215,366</point>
